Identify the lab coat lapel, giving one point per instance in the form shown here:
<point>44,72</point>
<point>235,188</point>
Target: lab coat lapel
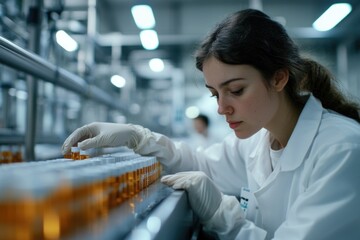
<point>296,149</point>
<point>302,136</point>
<point>258,165</point>
<point>270,194</point>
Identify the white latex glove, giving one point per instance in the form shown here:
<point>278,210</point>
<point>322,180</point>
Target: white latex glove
<point>204,197</point>
<point>106,135</point>
<point>217,212</point>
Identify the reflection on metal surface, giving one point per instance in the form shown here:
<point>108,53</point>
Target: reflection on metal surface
<point>153,224</point>
<point>124,219</point>
<point>172,219</point>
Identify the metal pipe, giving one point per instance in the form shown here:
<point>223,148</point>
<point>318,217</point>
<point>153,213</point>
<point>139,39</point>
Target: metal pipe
<point>91,33</point>
<point>35,23</point>
<point>20,59</point>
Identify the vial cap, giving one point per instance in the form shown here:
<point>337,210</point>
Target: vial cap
<point>75,149</point>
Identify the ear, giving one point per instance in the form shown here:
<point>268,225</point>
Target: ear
<point>280,79</point>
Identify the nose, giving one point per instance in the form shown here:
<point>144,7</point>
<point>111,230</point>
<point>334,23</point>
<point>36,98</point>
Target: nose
<point>223,107</point>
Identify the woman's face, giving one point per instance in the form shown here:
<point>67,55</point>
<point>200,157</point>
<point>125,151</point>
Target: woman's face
<point>242,96</point>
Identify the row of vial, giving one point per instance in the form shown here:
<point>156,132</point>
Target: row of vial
<point>79,154</point>
<point>10,154</point>
<point>56,198</point>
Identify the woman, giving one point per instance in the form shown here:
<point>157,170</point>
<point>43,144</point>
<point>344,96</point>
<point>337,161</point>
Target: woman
<point>295,157</point>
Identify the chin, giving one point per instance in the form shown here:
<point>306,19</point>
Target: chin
<point>243,135</point>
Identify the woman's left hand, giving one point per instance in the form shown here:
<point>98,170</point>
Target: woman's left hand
<point>204,196</point>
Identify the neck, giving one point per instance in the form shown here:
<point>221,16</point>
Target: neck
<point>284,122</point>
<point>205,133</point>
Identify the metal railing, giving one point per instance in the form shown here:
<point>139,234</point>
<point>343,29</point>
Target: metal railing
<point>27,62</point>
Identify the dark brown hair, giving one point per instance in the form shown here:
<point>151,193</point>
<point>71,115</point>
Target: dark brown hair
<point>204,119</point>
<point>251,37</point>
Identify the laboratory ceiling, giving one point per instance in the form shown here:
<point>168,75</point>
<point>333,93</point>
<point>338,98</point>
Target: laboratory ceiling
<point>181,24</point>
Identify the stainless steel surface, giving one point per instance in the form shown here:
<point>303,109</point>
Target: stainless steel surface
<point>172,219</point>
<point>157,202</point>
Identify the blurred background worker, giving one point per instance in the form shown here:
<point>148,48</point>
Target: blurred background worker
<point>203,135</point>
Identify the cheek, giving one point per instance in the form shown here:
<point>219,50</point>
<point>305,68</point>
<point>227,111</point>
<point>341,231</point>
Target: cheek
<point>260,109</point>
<point>269,106</point>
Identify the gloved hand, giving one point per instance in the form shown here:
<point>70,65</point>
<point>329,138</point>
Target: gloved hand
<point>204,197</point>
<point>105,135</point>
<point>217,212</point>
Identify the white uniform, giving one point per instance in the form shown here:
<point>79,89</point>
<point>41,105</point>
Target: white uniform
<point>199,142</point>
<point>313,191</point>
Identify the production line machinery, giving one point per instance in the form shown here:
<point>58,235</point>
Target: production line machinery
<point>114,196</point>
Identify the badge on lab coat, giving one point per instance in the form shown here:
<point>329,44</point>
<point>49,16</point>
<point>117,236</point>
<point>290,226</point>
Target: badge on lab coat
<point>244,199</point>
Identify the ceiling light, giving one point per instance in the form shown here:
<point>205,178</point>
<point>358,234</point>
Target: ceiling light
<point>332,16</point>
<point>192,112</point>
<point>21,94</point>
<point>76,26</point>
<point>156,65</point>
<point>118,81</point>
<point>65,41</point>
<point>149,39</point>
<point>143,16</point>
<point>12,92</point>
<point>134,108</point>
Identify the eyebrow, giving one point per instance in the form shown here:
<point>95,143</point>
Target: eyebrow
<point>223,84</point>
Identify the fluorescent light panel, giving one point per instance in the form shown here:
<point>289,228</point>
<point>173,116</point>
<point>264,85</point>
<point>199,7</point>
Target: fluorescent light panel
<point>143,16</point>
<point>118,81</point>
<point>149,39</point>
<point>65,41</point>
<point>332,16</point>
<point>156,65</point>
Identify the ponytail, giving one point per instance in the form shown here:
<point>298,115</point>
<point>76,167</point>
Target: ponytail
<point>320,82</point>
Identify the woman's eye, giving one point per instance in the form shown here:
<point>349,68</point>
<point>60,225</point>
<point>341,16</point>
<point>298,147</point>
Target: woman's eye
<point>214,95</point>
<point>238,92</point>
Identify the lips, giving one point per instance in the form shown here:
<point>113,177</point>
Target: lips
<point>234,125</point>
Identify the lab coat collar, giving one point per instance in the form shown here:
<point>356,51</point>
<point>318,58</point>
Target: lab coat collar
<point>299,142</point>
<point>259,160</point>
<point>303,135</point>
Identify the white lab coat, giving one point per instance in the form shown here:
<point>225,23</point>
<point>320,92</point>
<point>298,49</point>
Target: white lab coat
<point>313,192</point>
<point>199,142</point>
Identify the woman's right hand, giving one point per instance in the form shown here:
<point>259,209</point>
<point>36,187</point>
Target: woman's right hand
<point>100,134</point>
